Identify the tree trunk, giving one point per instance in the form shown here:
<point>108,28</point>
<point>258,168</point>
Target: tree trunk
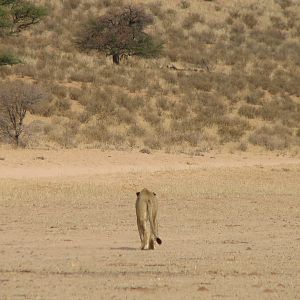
<point>116,59</point>
<point>16,137</point>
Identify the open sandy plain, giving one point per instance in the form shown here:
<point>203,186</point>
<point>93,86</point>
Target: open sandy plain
<point>230,226</point>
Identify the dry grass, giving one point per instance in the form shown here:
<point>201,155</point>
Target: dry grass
<point>272,138</point>
<point>247,52</point>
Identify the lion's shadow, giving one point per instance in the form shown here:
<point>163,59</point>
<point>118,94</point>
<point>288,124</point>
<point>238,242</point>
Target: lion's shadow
<point>124,248</point>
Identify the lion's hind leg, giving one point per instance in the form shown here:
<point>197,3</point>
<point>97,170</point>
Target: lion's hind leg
<point>151,242</point>
<point>142,226</point>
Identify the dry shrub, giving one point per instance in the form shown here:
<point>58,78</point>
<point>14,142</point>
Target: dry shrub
<point>170,77</point>
<point>232,129</point>
<point>286,81</point>
<point>248,111</point>
<point>191,55</point>
<point>243,147</point>
<point>96,131</point>
<point>272,138</point>
<point>175,36</point>
<point>163,103</point>
<point>150,116</point>
<point>62,105</point>
<point>250,20</point>
<point>25,70</point>
<point>184,4</point>
<point>83,117</point>
<point>154,88</point>
<point>82,76</point>
<point>157,9</point>
<point>5,71</point>
<point>100,102</point>
<point>198,81</point>
<point>260,78</point>
<point>284,3</point>
<point>237,28</point>
<point>189,138</point>
<point>183,125</point>
<point>136,130</point>
<point>59,91</point>
<point>124,116</point>
<point>206,36</point>
<point>254,96</point>
<point>273,37</point>
<point>289,51</point>
<point>138,81</point>
<point>34,134</point>
<point>153,142</point>
<point>46,109</point>
<point>110,3</point>
<point>191,20</point>
<point>209,110</point>
<point>131,103</point>
<point>118,80</point>
<point>292,18</point>
<point>71,4</point>
<point>229,85</point>
<point>278,23</point>
<point>63,132</point>
<point>281,108</point>
<point>185,133</point>
<point>75,94</point>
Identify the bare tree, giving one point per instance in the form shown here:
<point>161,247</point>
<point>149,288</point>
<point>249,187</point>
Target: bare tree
<point>16,99</point>
<point>120,33</point>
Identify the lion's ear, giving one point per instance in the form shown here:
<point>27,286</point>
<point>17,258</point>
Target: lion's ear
<point>137,193</point>
<point>154,194</point>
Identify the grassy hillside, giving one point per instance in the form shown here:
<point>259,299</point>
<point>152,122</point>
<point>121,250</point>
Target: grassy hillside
<point>229,76</point>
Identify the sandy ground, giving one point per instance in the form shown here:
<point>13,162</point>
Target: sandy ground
<point>230,226</point>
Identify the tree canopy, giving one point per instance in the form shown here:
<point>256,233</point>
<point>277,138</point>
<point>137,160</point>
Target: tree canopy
<point>120,33</point>
<point>15,16</point>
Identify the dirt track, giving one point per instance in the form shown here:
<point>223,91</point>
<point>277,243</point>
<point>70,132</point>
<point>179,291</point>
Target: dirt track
<point>230,226</point>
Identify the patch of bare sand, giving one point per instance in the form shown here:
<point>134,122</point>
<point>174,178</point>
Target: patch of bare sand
<point>51,163</point>
<point>230,226</point>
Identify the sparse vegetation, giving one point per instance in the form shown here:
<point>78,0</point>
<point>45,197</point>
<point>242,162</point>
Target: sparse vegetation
<point>236,72</point>
<point>16,99</point>
<point>272,138</point>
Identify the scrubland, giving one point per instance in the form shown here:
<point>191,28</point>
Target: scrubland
<point>228,78</point>
<point>212,126</point>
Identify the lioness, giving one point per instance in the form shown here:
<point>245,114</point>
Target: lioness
<point>146,209</point>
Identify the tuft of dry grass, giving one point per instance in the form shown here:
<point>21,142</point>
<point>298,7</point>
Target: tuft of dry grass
<point>272,138</point>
